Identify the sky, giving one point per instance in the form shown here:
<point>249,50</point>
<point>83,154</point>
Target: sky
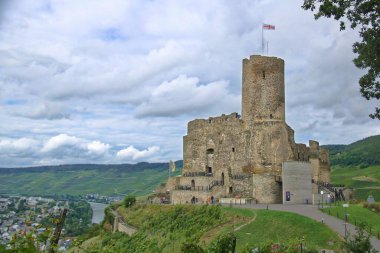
<point>116,81</point>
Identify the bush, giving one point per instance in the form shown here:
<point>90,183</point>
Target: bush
<point>223,244</point>
<point>360,242</point>
<point>191,248</point>
<point>129,201</point>
<point>372,206</point>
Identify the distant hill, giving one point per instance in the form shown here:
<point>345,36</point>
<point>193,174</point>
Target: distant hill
<point>80,179</point>
<point>76,167</point>
<point>362,153</point>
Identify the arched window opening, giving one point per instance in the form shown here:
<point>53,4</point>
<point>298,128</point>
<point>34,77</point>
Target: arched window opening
<point>209,170</point>
<point>210,151</point>
<point>230,190</point>
<point>222,178</point>
<point>263,74</point>
<point>193,184</point>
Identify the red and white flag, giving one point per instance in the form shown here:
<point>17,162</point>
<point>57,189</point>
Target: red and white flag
<point>268,27</point>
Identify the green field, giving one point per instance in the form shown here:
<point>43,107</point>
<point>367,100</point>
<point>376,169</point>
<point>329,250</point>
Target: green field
<point>79,182</point>
<point>357,214</point>
<point>365,181</point>
<point>285,227</point>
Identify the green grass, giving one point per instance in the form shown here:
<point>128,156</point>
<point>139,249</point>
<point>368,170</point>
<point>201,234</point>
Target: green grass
<point>285,227</point>
<point>79,182</point>
<point>163,228</point>
<point>362,188</point>
<point>356,214</point>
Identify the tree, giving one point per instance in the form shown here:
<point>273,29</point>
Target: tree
<point>365,15</point>
<point>129,200</point>
<point>360,242</point>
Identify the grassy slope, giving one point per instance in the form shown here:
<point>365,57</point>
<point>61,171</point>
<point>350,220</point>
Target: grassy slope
<point>169,226</point>
<point>365,181</point>
<point>357,214</point>
<point>77,182</point>
<point>275,226</point>
<point>363,153</point>
<point>351,164</point>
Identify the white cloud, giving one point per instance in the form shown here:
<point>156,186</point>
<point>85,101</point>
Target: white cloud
<point>59,141</point>
<point>98,147</point>
<point>184,95</point>
<point>131,153</point>
<point>78,82</point>
<point>18,145</point>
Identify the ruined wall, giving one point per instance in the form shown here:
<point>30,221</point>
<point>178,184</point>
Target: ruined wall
<point>266,189</point>
<point>214,143</point>
<point>184,197</point>
<point>324,165</point>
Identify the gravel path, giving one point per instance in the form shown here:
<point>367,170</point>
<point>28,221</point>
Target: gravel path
<point>312,212</point>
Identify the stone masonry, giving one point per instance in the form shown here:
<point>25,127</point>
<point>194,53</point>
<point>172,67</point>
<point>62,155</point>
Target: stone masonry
<point>242,156</point>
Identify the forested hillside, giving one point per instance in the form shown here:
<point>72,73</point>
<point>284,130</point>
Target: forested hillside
<point>138,179</point>
<point>362,153</point>
<point>357,165</point>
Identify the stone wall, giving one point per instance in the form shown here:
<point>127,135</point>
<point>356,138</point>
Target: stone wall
<point>266,189</point>
<point>229,147</point>
<point>263,95</point>
<point>183,197</point>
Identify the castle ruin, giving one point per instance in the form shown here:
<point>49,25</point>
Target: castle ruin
<point>233,156</point>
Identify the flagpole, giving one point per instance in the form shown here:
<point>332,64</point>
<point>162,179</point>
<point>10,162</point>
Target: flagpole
<point>267,48</point>
<point>262,38</point>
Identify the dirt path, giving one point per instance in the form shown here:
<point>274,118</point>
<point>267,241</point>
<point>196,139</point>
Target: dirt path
<point>245,224</point>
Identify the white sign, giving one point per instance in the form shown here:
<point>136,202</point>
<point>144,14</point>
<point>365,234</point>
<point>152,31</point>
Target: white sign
<point>345,205</point>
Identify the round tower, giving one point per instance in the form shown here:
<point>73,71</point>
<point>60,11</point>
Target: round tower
<point>263,97</point>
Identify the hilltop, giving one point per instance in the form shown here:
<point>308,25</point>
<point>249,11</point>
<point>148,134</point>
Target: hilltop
<point>79,179</point>
<point>362,153</point>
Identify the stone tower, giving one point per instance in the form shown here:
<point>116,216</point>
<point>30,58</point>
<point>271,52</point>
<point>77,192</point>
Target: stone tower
<point>243,157</point>
<point>263,95</point>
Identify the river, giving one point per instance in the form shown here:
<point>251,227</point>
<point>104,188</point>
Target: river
<point>98,211</point>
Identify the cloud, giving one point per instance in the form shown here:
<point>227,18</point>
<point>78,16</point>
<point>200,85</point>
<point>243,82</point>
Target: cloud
<point>59,141</point>
<point>47,110</point>
<point>98,147</point>
<point>184,95</point>
<point>135,154</point>
<point>116,72</point>
<point>21,145</point>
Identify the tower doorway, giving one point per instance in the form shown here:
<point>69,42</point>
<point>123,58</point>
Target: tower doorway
<point>192,184</point>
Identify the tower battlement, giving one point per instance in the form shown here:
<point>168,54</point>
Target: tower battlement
<point>263,91</point>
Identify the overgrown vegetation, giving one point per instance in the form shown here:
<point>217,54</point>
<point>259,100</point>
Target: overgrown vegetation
<point>129,200</point>
<point>210,228</point>
<point>374,207</point>
<point>360,242</point>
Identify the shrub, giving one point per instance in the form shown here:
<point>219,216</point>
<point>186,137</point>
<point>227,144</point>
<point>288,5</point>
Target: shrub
<point>129,201</point>
<point>191,248</point>
<point>360,242</point>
